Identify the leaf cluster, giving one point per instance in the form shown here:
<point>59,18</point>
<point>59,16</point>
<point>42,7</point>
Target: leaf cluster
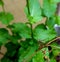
<point>28,44</point>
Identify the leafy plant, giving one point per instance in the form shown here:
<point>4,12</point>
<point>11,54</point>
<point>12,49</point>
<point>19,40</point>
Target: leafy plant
<point>28,44</point>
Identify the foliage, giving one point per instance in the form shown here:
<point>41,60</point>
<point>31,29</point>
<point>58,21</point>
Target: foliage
<point>27,44</point>
<point>33,11</point>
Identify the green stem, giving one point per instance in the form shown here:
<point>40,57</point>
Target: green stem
<point>51,41</point>
<point>28,6</point>
<point>3,8</point>
<point>31,26</point>
<point>32,31</point>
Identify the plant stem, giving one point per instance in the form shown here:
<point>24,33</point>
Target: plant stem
<point>31,26</point>
<point>3,8</point>
<point>32,31</point>
<point>52,41</point>
<point>28,6</point>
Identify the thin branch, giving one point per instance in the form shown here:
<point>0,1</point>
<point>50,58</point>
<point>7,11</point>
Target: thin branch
<point>3,8</point>
<point>32,31</point>
<point>52,41</point>
<point>28,6</point>
<point>31,26</point>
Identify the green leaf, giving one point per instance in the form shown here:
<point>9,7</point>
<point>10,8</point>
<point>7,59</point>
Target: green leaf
<point>53,60</point>
<point>6,18</point>
<point>46,52</point>
<point>22,29</point>
<point>11,49</point>
<point>1,3</point>
<point>28,42</point>
<point>49,8</point>
<point>14,38</point>
<point>4,36</point>
<point>25,55</point>
<point>51,22</point>
<point>57,18</point>
<point>55,45</point>
<point>39,57</point>
<point>6,60</point>
<point>25,44</point>
<point>27,50</point>
<point>33,11</point>
<point>56,52</point>
<point>43,34</point>
<point>55,48</point>
<point>55,1</point>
